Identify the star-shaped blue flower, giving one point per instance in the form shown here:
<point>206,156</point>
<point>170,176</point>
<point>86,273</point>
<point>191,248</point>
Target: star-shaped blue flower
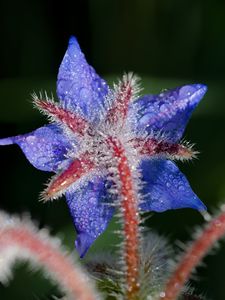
<point>79,144</point>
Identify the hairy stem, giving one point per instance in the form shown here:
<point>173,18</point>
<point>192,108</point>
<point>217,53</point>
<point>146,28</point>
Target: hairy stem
<point>213,232</point>
<point>129,205</point>
<point>25,242</point>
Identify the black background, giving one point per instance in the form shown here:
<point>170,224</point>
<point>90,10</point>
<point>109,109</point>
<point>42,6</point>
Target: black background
<point>167,43</point>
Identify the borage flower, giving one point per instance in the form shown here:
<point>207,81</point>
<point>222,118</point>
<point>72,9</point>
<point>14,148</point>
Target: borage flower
<point>98,133</point>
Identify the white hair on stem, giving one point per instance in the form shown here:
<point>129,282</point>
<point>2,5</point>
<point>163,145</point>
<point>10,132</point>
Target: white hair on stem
<point>21,239</point>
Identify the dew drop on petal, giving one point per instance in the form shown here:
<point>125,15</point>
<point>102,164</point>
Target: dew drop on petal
<point>168,184</point>
<point>163,108</point>
<point>186,90</point>
<point>31,139</point>
<point>85,94</point>
<point>93,200</point>
<point>181,188</point>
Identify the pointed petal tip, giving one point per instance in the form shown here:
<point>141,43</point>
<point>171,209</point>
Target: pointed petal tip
<point>6,141</point>
<point>195,91</point>
<point>195,203</point>
<point>168,188</point>
<point>200,88</point>
<point>73,40</point>
<point>200,206</point>
<point>78,85</point>
<point>83,243</point>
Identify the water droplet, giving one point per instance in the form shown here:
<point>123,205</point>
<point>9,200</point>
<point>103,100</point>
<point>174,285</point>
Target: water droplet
<point>163,108</point>
<point>85,94</point>
<point>177,285</point>
<point>181,188</point>
<point>162,295</point>
<point>92,200</point>
<point>175,182</point>
<point>31,139</point>
<point>186,90</point>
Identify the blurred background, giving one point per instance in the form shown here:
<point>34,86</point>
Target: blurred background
<point>167,43</point>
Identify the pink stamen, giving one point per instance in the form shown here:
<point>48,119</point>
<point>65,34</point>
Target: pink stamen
<point>78,168</point>
<point>213,232</point>
<point>74,122</point>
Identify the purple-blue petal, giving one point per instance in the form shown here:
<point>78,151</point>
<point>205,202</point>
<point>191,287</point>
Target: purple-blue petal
<point>165,187</point>
<point>78,85</point>
<point>83,242</point>
<point>168,112</point>
<point>91,212</point>
<point>45,148</point>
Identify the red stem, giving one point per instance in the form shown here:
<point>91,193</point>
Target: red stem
<point>213,232</point>
<point>129,205</point>
<point>74,282</point>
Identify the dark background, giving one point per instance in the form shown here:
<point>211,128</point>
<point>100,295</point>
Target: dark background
<point>167,43</point>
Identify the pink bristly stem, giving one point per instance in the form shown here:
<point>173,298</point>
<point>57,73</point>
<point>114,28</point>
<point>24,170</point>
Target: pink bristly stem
<point>213,232</point>
<point>129,205</point>
<point>73,280</point>
<point>74,122</point>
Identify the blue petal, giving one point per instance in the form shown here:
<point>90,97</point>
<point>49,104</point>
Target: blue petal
<point>45,148</point>
<point>166,187</point>
<point>83,243</point>
<point>168,112</point>
<point>78,86</point>
<point>91,211</point>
